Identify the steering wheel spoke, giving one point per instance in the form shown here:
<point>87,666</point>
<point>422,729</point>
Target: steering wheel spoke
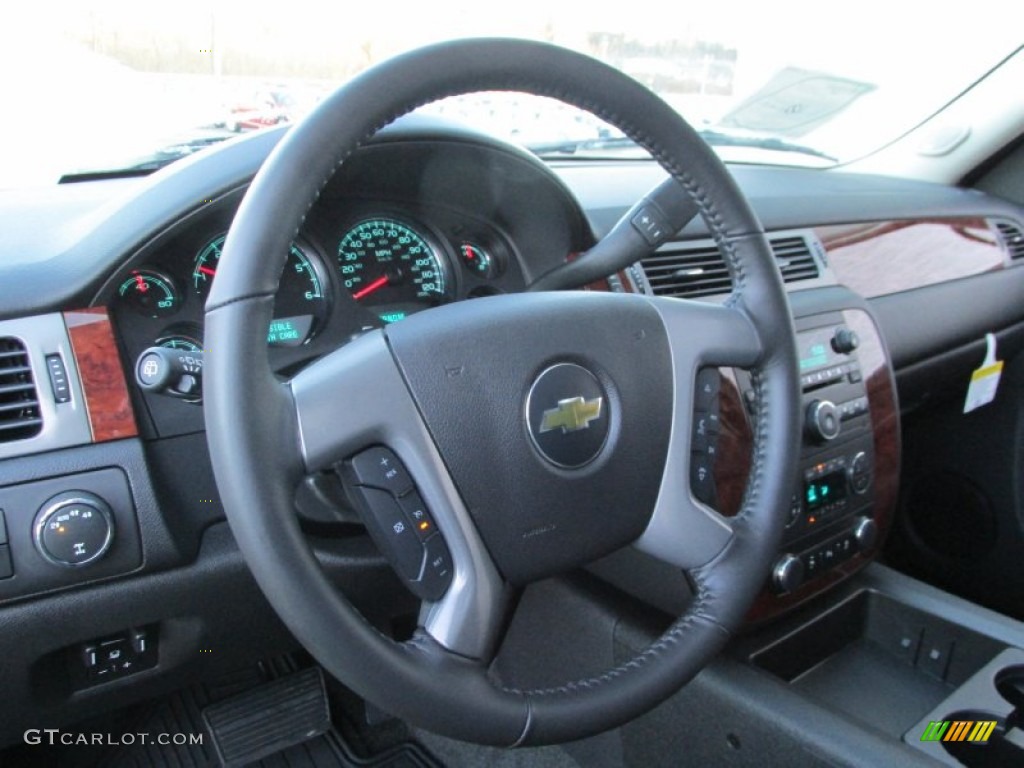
<point>377,410</point>
<point>683,530</point>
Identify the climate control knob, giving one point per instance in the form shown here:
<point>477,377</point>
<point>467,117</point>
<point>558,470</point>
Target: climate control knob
<point>788,574</point>
<point>865,533</point>
<point>74,529</point>
<point>823,421</point>
<point>860,473</point>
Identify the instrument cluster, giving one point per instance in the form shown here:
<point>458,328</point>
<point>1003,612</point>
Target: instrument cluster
<point>345,274</point>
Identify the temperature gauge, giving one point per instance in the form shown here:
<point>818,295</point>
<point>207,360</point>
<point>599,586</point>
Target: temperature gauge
<point>478,260</point>
<point>149,293</point>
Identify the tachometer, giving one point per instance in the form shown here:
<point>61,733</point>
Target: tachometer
<point>390,266</point>
<point>300,306</point>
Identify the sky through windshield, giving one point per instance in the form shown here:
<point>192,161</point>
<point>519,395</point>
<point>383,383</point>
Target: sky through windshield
<point>96,85</point>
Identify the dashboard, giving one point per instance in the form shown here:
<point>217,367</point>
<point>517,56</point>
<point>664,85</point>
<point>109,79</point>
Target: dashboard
<point>404,226</point>
<point>424,215</point>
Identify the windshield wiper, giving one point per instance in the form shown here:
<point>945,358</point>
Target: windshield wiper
<point>772,143</point>
<point>591,147</point>
<point>582,146</point>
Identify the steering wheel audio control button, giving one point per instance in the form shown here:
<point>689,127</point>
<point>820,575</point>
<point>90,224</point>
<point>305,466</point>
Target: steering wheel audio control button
<point>378,467</point>
<point>74,529</point>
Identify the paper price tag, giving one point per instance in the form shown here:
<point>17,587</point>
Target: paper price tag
<point>985,380</point>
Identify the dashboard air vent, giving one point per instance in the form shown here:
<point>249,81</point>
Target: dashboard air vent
<point>1013,239</point>
<point>19,403</point>
<point>796,262</point>
<point>691,270</point>
<point>681,269</point>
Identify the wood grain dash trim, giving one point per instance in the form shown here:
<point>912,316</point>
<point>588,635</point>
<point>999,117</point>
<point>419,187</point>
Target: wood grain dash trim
<point>884,257</point>
<point>99,367</point>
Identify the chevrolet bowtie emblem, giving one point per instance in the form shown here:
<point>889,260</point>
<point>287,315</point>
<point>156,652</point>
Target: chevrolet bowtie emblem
<point>571,415</point>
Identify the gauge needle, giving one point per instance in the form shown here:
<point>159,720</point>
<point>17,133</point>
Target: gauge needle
<point>141,283</point>
<point>380,282</point>
<point>207,271</point>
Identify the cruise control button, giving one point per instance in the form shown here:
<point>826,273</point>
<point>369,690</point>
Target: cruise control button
<point>378,467</point>
<point>416,510</point>
<point>392,531</point>
<point>437,570</point>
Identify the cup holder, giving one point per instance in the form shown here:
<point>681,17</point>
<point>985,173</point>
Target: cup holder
<point>994,752</point>
<point>994,694</point>
<point>1010,685</point>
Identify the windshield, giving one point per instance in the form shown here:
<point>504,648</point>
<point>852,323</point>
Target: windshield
<point>123,87</point>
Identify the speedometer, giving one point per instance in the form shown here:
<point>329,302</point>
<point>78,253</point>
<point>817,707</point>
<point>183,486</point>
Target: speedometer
<point>389,266</point>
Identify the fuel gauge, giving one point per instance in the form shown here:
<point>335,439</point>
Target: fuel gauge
<point>479,260</point>
<point>149,293</point>
<point>184,337</point>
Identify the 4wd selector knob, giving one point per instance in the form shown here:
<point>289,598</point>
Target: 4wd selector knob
<point>823,420</point>
<point>73,529</point>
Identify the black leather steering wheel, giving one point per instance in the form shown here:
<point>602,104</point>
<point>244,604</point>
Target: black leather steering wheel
<point>514,504</point>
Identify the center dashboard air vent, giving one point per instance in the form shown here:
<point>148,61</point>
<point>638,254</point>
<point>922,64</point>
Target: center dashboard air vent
<point>1013,239</point>
<point>694,269</point>
<point>20,417</point>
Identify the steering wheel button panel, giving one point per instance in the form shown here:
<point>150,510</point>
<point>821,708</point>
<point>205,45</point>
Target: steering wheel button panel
<point>392,531</point>
<point>378,467</point>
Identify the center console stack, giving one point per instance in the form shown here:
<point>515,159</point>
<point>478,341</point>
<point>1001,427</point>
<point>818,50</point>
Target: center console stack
<point>831,514</point>
<point>844,492</point>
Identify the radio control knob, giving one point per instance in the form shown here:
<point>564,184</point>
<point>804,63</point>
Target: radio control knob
<point>845,341</point>
<point>823,420</point>
<point>788,574</point>
<point>865,533</point>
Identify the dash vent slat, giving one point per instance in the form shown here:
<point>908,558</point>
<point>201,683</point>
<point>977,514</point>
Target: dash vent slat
<point>20,416</point>
<point>1013,239</point>
<point>686,270</point>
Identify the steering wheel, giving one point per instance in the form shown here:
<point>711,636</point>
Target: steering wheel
<point>556,432</point>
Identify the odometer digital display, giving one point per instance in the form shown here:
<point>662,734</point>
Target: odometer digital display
<point>384,262</point>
